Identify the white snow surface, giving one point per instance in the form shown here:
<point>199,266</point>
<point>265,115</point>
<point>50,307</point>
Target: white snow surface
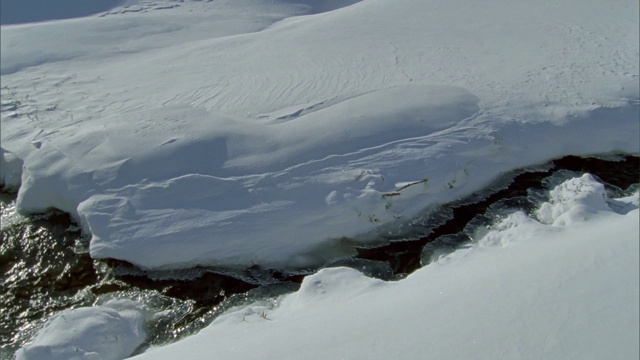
<point>108,332</point>
<point>231,133</point>
<point>526,290</point>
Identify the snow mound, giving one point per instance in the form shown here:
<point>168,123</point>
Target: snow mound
<point>108,332</point>
<point>209,212</point>
<point>574,200</point>
<point>332,285</point>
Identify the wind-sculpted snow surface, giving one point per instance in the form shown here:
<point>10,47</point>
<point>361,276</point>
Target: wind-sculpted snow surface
<point>525,290</point>
<point>213,133</point>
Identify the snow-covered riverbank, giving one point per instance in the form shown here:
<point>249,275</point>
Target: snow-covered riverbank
<point>175,146</point>
<point>562,285</point>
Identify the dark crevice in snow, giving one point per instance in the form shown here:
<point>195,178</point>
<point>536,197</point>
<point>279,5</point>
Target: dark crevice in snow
<point>45,266</point>
<point>405,256</point>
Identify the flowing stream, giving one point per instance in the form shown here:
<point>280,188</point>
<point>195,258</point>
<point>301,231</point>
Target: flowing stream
<point>45,266</point>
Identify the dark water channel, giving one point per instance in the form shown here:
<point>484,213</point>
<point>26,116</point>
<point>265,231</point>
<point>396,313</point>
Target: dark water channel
<point>45,266</point>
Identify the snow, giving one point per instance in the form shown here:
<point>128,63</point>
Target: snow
<point>279,133</point>
<point>10,169</point>
<point>232,133</point>
<point>526,290</point>
<point>125,31</point>
<point>577,199</point>
<point>108,332</point>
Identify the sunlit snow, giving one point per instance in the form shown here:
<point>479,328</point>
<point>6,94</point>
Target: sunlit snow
<point>232,133</point>
<point>176,144</point>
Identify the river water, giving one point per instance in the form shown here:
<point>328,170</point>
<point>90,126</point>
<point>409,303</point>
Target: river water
<point>45,266</point>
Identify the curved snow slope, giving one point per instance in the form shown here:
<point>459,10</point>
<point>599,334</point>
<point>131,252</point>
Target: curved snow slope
<point>125,31</point>
<point>563,289</point>
<point>177,144</point>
